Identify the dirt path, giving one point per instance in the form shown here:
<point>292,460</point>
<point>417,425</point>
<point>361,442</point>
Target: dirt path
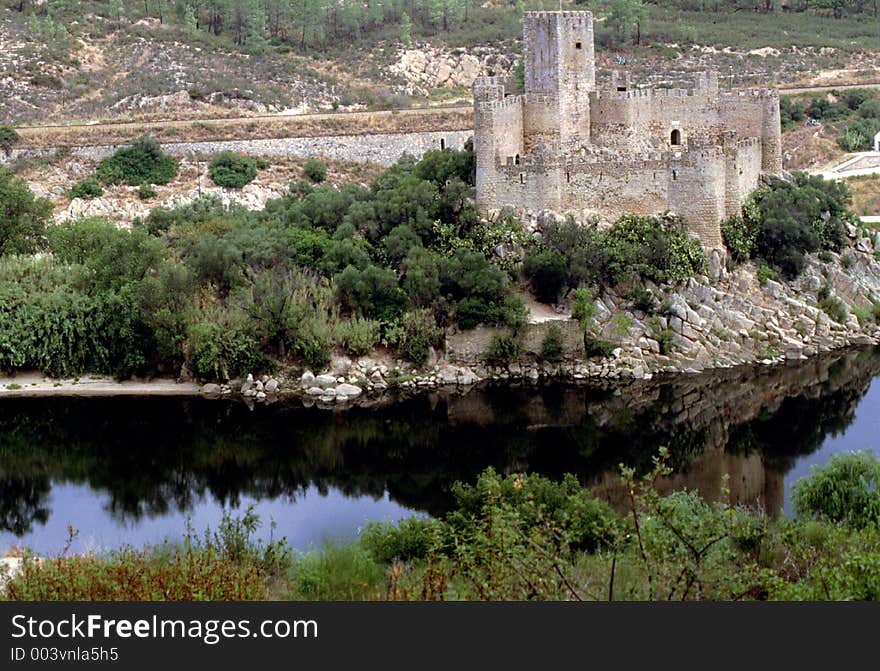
<point>37,385</point>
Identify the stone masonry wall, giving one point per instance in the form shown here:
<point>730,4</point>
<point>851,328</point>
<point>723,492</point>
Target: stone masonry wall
<point>383,149</point>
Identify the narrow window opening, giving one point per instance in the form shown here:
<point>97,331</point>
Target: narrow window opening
<point>522,178</point>
<point>621,88</point>
<point>442,143</point>
<point>516,160</point>
<point>674,175</point>
<point>568,177</point>
<point>577,45</point>
<point>675,138</point>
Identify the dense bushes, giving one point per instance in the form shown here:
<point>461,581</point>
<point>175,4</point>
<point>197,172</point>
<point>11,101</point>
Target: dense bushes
<point>634,247</point>
<point>845,491</point>
<point>526,537</point>
<point>222,291</point>
<point>143,162</point>
<point>781,223</point>
<point>231,170</point>
<point>547,272</point>
<point>315,170</point>
<point>9,137</point>
<point>86,188</point>
<point>23,218</point>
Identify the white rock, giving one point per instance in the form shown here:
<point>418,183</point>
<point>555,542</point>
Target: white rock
<point>325,381</point>
<point>348,390</point>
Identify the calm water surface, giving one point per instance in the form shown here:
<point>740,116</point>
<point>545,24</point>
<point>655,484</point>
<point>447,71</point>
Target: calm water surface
<point>134,471</point>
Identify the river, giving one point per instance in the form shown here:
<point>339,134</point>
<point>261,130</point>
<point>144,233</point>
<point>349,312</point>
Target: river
<point>134,471</point>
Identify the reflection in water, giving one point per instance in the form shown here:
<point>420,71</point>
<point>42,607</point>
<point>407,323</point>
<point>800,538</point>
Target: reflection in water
<point>150,458</point>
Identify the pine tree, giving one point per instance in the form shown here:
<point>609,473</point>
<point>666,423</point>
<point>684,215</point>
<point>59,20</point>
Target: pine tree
<point>405,30</point>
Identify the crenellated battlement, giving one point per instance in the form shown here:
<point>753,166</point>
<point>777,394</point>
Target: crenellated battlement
<point>567,145</point>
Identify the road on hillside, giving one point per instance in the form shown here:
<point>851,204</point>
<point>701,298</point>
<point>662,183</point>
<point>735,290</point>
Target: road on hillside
<point>319,116</point>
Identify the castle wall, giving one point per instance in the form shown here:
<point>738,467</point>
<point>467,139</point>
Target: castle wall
<point>755,113</point>
<point>697,191</point>
<point>566,146</point>
<point>615,188</point>
<point>633,117</point>
<point>498,133</point>
<point>540,122</point>
<point>742,173</point>
<point>531,186</point>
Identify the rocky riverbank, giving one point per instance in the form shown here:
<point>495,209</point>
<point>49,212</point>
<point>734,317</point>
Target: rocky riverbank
<point>726,319</point>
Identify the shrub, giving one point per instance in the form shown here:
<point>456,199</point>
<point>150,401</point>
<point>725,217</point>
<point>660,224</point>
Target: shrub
<point>642,299</point>
<point>553,345</point>
<point>146,191</point>
<point>315,170</point>
<point>765,272</point>
<point>314,342</point>
<point>583,308</point>
<point>503,349</point>
<point>371,292</point>
<point>788,220</point>
<point>407,540</point>
<point>8,139</point>
<point>587,523</point>
<point>739,237</point>
<point>834,308</point>
<point>620,324</point>
<point>142,162</point>
<point>337,573</point>
<point>864,315</point>
<point>844,491</point>
<point>358,335</point>
<point>647,247</point>
<point>23,218</point>
<point>231,170</point>
<point>419,332</point>
<point>547,272</point>
<point>666,340</point>
<point>597,348</point>
<point>86,189</point>
<point>870,109</point>
<point>221,346</point>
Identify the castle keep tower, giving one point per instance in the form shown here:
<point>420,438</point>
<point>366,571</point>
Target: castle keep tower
<point>571,146</point>
<point>560,72</point>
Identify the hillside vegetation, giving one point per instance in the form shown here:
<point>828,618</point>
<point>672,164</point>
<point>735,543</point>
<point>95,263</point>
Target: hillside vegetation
<point>81,59</point>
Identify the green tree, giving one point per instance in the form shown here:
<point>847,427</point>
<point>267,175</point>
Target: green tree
<point>405,30</point>
<point>625,20</point>
<point>8,139</point>
<point>23,218</point>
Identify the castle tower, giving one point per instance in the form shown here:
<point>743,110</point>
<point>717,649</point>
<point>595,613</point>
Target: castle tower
<point>560,63</point>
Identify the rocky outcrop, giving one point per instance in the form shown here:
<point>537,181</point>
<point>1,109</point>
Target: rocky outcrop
<point>425,67</point>
<point>122,205</point>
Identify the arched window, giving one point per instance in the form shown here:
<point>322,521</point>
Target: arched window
<point>516,160</point>
<point>675,137</point>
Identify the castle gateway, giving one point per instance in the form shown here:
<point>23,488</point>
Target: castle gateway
<point>570,145</point>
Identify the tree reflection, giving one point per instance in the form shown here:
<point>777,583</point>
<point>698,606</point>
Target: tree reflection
<point>151,456</point>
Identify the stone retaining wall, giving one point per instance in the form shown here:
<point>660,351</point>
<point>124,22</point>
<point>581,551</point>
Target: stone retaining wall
<point>383,148</point>
<point>470,346</point>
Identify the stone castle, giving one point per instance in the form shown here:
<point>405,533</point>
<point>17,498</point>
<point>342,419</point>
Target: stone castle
<point>570,145</point>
